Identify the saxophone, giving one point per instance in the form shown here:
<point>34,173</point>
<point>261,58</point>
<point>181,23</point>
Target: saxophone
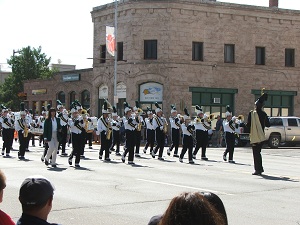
<point>86,124</point>
<point>165,129</point>
<point>109,129</point>
<point>139,126</point>
<point>25,134</point>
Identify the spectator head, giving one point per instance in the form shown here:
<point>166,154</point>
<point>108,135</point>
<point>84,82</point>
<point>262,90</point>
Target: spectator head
<point>52,112</point>
<point>2,184</point>
<point>216,202</point>
<point>36,195</point>
<point>192,209</point>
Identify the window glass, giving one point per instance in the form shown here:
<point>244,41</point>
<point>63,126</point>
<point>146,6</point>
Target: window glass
<point>276,122</point>
<point>197,51</point>
<point>260,56</point>
<point>292,122</point>
<point>150,49</point>
<point>229,53</point>
<point>289,57</point>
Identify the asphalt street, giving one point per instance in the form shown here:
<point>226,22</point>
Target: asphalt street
<point>117,193</point>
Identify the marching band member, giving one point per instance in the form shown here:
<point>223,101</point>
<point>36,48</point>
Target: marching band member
<point>88,128</point>
<point>52,128</point>
<point>28,117</point>
<point>62,114</point>
<point>7,124</point>
<point>116,125</point>
<point>159,123</point>
<point>187,141</point>
<point>202,126</point>
<point>139,119</point>
<point>229,129</point>
<point>22,126</point>
<point>104,127</point>
<point>40,123</point>
<point>76,127</point>
<point>83,132</point>
<point>130,125</point>
<point>150,131</point>
<point>175,125</point>
<point>12,128</point>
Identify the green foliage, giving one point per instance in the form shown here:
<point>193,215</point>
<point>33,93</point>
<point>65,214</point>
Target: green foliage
<point>27,64</point>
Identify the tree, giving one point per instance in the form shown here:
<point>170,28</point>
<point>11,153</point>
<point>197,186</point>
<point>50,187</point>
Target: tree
<point>29,63</point>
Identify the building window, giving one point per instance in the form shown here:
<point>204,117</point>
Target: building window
<point>197,51</point>
<point>85,99</point>
<point>229,53</point>
<point>150,49</point>
<point>120,51</point>
<point>102,53</point>
<point>289,57</point>
<point>260,56</point>
<point>72,96</point>
<point>61,97</point>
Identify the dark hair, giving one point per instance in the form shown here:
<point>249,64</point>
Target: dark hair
<point>216,202</point>
<point>2,180</point>
<point>193,209</point>
<point>49,112</point>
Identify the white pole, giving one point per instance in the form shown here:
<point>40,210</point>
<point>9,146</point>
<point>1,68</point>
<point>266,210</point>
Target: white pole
<point>116,56</point>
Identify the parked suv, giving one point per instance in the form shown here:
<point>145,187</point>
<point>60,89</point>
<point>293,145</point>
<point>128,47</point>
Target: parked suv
<point>283,130</point>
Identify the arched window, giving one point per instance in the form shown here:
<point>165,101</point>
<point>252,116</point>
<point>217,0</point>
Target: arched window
<point>61,97</point>
<point>85,99</point>
<point>72,96</point>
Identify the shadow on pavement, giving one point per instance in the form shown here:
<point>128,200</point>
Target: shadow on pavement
<point>82,168</point>
<point>269,177</point>
<point>56,169</point>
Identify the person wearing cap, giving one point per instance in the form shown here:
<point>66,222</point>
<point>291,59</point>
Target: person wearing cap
<point>130,125</point>
<point>4,218</point>
<point>187,142</point>
<point>257,121</point>
<point>76,127</point>
<point>51,134</point>
<point>201,126</point>
<point>36,197</point>
<point>105,129</point>
<point>7,123</point>
<point>150,134</point>
<point>159,123</point>
<point>175,125</point>
<point>63,115</point>
<point>116,125</point>
<point>22,126</point>
<point>229,129</point>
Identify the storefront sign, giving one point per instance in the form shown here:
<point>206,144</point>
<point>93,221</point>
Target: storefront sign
<point>71,77</point>
<point>151,92</point>
<point>39,91</point>
<point>103,92</point>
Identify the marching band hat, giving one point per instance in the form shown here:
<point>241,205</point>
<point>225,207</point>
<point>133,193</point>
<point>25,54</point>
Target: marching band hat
<point>198,109</point>
<point>78,105</point>
<point>114,111</point>
<point>228,112</point>
<point>186,114</point>
<point>73,107</point>
<point>158,109</point>
<point>173,108</point>
<point>59,104</point>
<point>149,111</point>
<point>22,108</point>
<point>137,106</point>
<point>127,108</point>
<point>43,110</point>
<point>4,109</point>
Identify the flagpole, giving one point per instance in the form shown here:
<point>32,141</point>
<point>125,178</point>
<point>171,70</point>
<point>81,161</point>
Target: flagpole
<point>116,57</point>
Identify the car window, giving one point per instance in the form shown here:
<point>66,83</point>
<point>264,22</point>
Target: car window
<point>276,122</point>
<point>292,123</point>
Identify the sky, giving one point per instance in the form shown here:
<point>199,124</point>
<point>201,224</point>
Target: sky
<point>63,28</point>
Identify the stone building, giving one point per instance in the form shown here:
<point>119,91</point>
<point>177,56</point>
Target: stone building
<point>191,52</point>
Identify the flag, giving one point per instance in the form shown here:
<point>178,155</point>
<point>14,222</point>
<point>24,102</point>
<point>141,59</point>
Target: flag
<point>110,40</point>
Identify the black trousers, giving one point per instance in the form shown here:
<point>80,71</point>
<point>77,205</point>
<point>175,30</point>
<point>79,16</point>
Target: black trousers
<point>76,144</point>
<point>11,139</point>
<point>202,141</point>
<point>116,140</point>
<point>256,150</point>
<point>160,140</point>
<point>150,139</point>
<point>130,143</point>
<point>23,143</point>
<point>138,141</point>
<point>88,138</point>
<point>105,145</point>
<point>82,141</point>
<point>64,133</point>
<point>229,138</point>
<point>6,136</point>
<point>175,140</point>
<point>187,144</point>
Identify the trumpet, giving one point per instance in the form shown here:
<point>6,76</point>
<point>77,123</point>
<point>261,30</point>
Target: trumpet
<point>241,118</point>
<point>210,118</point>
